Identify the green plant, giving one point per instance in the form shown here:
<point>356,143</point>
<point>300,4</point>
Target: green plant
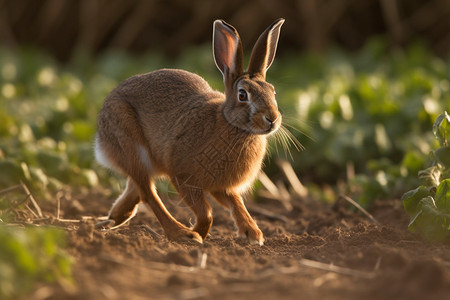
<point>366,109</point>
<point>429,204</point>
<point>31,255</point>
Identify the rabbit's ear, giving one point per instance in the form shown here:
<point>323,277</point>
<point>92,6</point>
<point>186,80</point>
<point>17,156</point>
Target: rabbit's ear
<point>227,49</point>
<point>264,50</point>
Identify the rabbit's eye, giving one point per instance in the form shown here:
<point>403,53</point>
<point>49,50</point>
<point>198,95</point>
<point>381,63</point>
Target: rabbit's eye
<point>243,95</point>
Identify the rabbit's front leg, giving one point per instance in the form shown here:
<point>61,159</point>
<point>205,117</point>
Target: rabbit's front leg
<point>244,222</point>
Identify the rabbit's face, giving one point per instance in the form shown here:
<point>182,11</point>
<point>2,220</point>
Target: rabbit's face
<point>251,106</point>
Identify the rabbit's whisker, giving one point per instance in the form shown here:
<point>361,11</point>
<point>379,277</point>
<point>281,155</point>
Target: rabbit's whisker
<point>287,125</point>
<point>286,139</point>
<point>297,144</point>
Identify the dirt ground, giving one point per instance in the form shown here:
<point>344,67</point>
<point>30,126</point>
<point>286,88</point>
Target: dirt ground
<point>314,251</point>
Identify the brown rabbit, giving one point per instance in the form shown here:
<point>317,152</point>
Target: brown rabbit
<point>171,123</point>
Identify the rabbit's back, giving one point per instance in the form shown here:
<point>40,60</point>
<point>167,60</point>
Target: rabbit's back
<point>171,106</point>
<point>164,90</point>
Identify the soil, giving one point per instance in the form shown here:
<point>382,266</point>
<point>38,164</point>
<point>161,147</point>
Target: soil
<point>314,251</point>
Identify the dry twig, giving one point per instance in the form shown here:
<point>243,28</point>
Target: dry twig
<point>38,212</point>
<point>268,184</point>
<point>289,172</point>
<point>267,213</point>
<point>152,231</point>
<point>208,272</point>
<point>10,189</point>
<point>336,269</point>
<point>33,201</point>
<point>276,192</point>
<point>354,203</point>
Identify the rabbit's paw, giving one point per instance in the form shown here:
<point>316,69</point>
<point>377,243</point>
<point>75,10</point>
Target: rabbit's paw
<point>105,224</point>
<point>253,234</point>
<point>112,223</point>
<point>185,235</point>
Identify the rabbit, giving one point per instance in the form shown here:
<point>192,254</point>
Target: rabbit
<point>171,123</point>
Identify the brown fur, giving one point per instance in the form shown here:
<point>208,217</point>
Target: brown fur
<point>171,123</point>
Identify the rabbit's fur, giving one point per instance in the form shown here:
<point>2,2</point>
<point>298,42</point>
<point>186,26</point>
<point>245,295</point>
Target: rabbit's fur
<point>171,123</point>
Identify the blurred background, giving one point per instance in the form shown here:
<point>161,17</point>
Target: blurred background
<point>359,83</point>
<point>60,27</point>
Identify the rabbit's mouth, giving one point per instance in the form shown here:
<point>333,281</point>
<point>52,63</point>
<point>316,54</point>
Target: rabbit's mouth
<point>265,124</point>
<point>273,124</point>
<point>258,123</point>
<point>272,128</point>
<point>267,129</point>
<point>252,128</point>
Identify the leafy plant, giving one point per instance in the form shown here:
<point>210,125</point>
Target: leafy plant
<point>367,109</point>
<point>429,204</point>
<point>28,256</point>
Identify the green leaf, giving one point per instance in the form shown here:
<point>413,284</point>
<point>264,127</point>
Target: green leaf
<point>413,161</point>
<point>11,172</point>
<point>430,176</point>
<point>442,197</point>
<point>31,255</point>
<point>430,222</point>
<point>83,130</point>
<point>52,162</point>
<point>441,129</point>
<point>443,156</point>
<point>412,222</point>
<point>412,199</point>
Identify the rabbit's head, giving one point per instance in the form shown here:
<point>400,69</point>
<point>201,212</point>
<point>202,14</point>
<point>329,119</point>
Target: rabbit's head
<point>250,102</point>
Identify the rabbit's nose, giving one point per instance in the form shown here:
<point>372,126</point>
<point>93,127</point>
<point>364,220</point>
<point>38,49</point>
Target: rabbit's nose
<point>271,121</point>
<point>268,119</point>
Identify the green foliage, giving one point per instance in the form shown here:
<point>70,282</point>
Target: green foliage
<point>429,204</point>
<point>441,130</point>
<point>48,122</point>
<point>367,109</point>
<point>371,110</point>
<point>28,256</point>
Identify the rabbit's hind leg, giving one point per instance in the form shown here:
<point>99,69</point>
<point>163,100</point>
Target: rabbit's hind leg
<point>141,187</point>
<point>174,230</point>
<point>244,222</point>
<point>126,206</point>
<point>121,145</point>
<point>194,197</point>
